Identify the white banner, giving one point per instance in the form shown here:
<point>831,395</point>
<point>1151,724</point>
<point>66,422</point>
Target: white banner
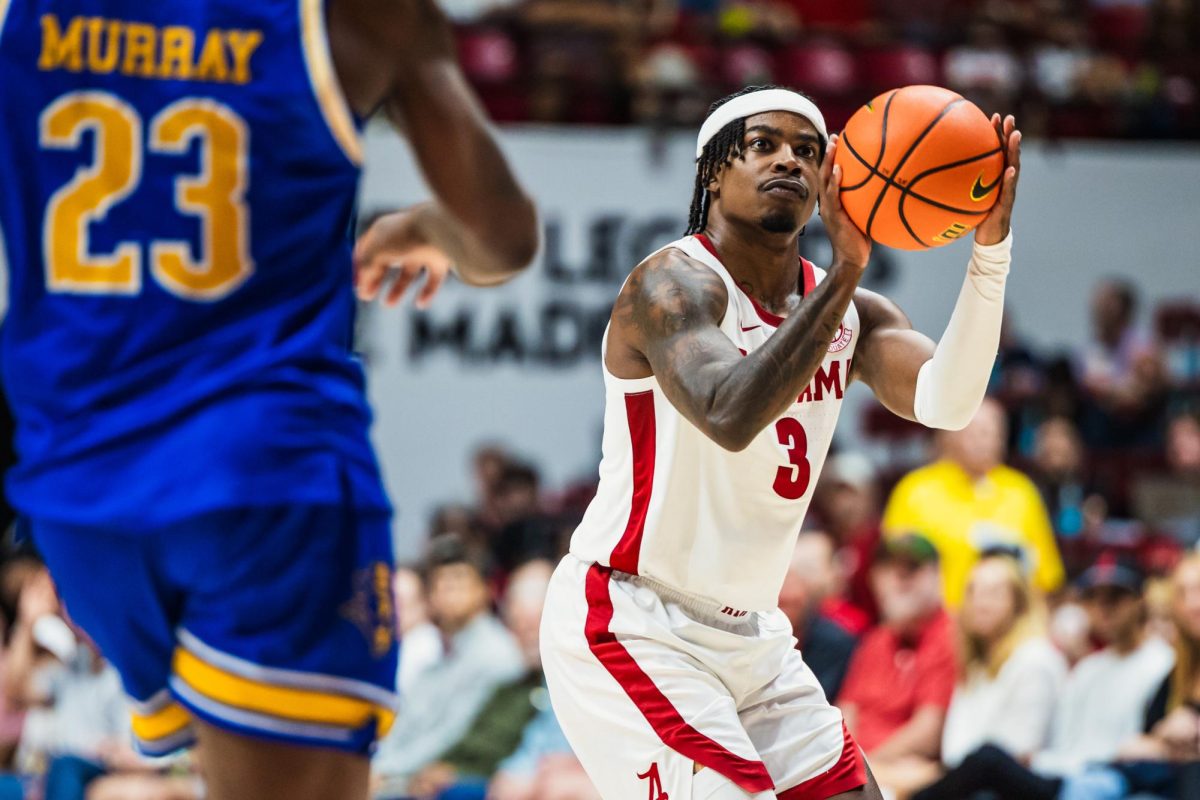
<point>520,364</point>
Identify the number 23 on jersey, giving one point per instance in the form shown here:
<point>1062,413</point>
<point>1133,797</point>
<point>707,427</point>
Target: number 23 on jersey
<point>216,196</point>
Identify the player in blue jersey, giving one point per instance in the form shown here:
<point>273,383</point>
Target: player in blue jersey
<point>178,189</point>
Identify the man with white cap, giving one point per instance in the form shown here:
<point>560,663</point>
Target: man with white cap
<point>670,666</point>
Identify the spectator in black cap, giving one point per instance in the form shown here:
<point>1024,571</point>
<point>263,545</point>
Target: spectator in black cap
<point>1101,708</point>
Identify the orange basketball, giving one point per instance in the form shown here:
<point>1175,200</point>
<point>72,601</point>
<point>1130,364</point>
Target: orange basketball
<point>921,166</point>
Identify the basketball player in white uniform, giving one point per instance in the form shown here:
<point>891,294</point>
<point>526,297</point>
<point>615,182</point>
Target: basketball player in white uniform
<point>670,667</point>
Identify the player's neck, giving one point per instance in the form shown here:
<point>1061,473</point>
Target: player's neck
<point>766,265</point>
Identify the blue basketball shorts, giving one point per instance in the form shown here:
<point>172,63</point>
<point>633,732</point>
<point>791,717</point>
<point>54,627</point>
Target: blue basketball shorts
<point>272,622</point>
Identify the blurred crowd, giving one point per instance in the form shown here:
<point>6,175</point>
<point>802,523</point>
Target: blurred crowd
<point>1012,608</point>
<point>1066,68</point>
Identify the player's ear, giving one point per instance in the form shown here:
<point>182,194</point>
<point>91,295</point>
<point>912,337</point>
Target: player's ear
<point>714,183</point>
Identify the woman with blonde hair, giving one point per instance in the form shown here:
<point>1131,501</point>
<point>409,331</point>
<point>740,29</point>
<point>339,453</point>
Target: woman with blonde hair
<point>1172,728</point>
<point>1010,675</point>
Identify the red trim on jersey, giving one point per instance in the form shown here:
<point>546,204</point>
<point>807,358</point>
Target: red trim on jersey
<point>649,699</point>
<point>774,320</point>
<point>850,772</point>
<point>810,275</point>
<point>639,410</point>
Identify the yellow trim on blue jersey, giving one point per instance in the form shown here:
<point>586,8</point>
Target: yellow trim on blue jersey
<point>161,724</point>
<point>301,705</point>
<point>4,4</point>
<point>324,80</point>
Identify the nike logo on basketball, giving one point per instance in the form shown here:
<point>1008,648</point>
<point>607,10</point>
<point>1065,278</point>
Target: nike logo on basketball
<point>979,191</point>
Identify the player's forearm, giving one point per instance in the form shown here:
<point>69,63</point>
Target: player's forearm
<point>951,385</point>
<point>486,223</point>
<point>484,256</point>
<point>763,385</point>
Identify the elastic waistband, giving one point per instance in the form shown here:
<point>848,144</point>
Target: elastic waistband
<point>701,607</point>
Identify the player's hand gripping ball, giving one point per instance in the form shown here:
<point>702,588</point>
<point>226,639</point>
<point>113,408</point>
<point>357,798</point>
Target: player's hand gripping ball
<point>921,166</point>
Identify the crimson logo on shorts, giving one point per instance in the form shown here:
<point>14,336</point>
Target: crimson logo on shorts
<point>841,339</point>
<point>656,790</point>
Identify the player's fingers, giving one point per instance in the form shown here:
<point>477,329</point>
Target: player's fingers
<point>434,278</point>
<point>1010,124</point>
<point>1014,150</point>
<point>827,164</point>
<point>369,277</point>
<point>402,278</point>
<point>1008,193</point>
<point>363,246</point>
<point>834,199</point>
<point>390,237</point>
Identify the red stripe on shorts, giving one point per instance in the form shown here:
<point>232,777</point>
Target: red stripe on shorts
<point>654,705</point>
<point>639,410</point>
<point>850,772</point>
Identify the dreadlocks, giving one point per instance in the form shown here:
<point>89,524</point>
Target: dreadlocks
<point>723,148</point>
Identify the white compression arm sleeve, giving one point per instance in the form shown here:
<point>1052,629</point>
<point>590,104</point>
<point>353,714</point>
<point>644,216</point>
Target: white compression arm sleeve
<point>950,386</point>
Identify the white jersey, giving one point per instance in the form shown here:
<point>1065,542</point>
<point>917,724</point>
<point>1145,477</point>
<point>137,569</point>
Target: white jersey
<point>676,507</point>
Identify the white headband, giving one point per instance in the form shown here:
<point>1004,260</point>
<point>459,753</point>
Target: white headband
<point>758,103</point>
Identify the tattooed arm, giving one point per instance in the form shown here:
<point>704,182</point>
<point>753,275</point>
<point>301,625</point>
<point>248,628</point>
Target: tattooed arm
<point>666,322</point>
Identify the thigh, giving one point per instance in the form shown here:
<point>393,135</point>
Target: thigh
<point>641,715</point>
<point>801,737</point>
<point>287,630</point>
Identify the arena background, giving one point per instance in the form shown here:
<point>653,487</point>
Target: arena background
<point>597,103</point>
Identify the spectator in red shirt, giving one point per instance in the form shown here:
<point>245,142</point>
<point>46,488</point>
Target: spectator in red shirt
<point>902,676</point>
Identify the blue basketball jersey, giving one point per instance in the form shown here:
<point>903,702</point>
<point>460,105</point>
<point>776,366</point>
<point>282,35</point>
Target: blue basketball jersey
<point>177,181</point>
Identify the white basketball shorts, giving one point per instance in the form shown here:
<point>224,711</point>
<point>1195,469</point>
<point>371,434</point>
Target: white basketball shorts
<point>650,685</point>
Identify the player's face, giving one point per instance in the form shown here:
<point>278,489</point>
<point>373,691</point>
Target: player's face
<point>774,182</point>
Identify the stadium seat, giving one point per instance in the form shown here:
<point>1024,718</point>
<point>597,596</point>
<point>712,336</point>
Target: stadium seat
<point>821,68</point>
<point>1120,28</point>
<point>746,65</point>
<point>901,65</point>
<point>488,55</point>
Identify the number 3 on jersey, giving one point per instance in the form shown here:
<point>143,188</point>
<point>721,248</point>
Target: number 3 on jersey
<point>791,482</point>
<point>216,196</point>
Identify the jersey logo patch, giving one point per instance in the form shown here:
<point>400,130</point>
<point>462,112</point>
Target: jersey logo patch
<point>841,339</point>
<point>370,607</point>
<point>656,790</point>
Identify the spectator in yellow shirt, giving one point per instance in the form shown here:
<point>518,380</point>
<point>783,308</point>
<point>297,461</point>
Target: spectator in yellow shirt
<point>968,502</point>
